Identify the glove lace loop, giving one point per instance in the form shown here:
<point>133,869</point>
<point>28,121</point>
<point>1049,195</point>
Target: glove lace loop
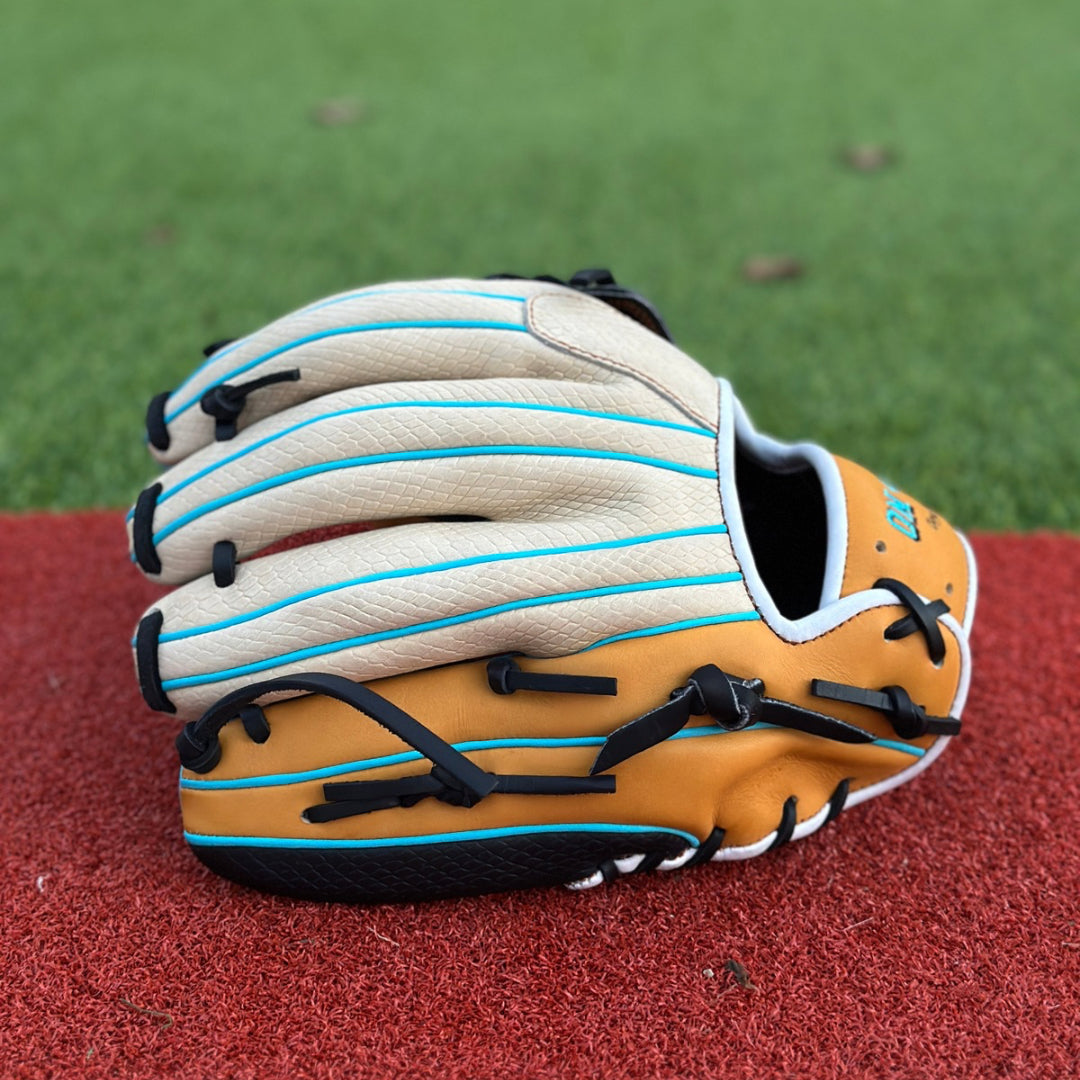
<point>922,618</point>
<point>225,402</point>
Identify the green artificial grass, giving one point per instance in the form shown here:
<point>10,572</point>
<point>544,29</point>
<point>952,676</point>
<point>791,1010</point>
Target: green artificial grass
<point>163,184</point>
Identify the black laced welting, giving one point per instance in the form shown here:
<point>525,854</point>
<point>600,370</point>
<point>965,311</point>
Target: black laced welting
<point>923,617</point>
<point>732,702</point>
<point>225,402</point>
<point>602,284</point>
<point>909,720</point>
<point>786,829</point>
<point>837,801</point>
<point>506,677</point>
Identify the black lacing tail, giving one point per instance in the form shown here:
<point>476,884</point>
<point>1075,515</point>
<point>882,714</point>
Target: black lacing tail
<point>732,702</point>
<point>225,402</point>
<point>453,778</point>
<point>909,720</point>
<point>505,676</point>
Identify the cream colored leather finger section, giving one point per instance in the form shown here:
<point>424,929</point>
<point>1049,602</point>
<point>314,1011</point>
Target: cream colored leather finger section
<point>505,487</point>
<point>380,604</point>
<point>408,330</point>
<point>569,320</point>
<point>426,332</point>
<point>417,460</point>
<point>398,416</point>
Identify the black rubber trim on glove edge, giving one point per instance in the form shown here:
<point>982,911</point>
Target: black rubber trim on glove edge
<point>157,431</point>
<point>142,530</point>
<point>146,661</point>
<point>430,871</point>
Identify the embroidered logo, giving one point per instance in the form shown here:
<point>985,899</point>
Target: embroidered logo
<point>900,514</point>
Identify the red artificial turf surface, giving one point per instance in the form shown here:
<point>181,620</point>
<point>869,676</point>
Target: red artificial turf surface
<point>931,932</point>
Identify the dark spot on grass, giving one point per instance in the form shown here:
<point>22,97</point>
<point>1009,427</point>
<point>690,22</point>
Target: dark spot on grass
<point>765,268</point>
<point>160,235</point>
<point>868,157</point>
<point>339,112</point>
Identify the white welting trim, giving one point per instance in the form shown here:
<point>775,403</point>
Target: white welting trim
<point>973,583</point>
<point>748,851</point>
<point>678,860</point>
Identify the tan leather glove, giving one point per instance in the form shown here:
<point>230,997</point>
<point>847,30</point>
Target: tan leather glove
<point>603,625</point>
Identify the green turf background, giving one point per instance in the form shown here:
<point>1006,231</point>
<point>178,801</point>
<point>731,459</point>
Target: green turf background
<point>162,184</point>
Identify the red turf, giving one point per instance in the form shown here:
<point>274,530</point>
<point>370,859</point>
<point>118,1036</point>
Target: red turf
<point>931,932</point>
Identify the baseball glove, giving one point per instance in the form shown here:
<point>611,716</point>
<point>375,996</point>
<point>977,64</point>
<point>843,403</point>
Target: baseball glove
<point>486,584</point>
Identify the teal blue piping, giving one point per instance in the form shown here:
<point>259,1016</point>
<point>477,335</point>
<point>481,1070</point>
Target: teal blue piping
<point>667,628</point>
<point>412,324</point>
<point>207,840</point>
<point>471,746</point>
<point>234,345</point>
<point>363,293</point>
<point>421,455</point>
<point>438,624</point>
<point>565,410</point>
<point>433,568</point>
<point>621,417</point>
<point>284,779</point>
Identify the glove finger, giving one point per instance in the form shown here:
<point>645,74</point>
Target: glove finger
<point>419,331</point>
<point>382,453</point>
<point>391,333</point>
<point>393,600</point>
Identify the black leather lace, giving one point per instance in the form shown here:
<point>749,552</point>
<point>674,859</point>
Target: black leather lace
<point>733,703</point>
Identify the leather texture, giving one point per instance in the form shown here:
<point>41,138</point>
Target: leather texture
<point>551,480</point>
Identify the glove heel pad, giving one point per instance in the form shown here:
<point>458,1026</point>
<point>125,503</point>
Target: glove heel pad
<point>421,870</point>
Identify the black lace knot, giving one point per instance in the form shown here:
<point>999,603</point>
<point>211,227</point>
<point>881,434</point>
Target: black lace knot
<point>197,753</point>
<point>453,791</point>
<point>733,703</point>
<point>225,402</point>
<point>908,719</point>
